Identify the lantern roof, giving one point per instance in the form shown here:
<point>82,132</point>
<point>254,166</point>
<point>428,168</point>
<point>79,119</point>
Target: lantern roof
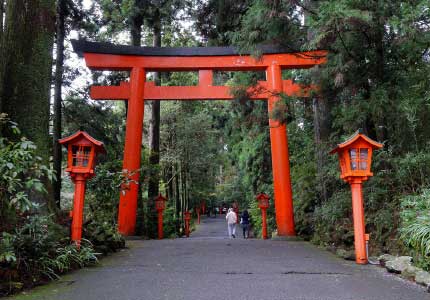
<point>82,135</point>
<point>160,198</point>
<point>355,137</point>
<point>262,196</point>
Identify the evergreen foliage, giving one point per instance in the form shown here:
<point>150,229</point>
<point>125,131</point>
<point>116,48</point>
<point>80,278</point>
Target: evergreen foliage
<point>415,226</point>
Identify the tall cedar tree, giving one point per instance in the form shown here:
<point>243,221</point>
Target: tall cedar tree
<point>25,77</point>
<point>70,15</point>
<point>154,125</point>
<point>1,23</point>
<point>215,18</point>
<point>2,12</point>
<point>153,14</point>
<point>58,83</point>
<point>321,116</point>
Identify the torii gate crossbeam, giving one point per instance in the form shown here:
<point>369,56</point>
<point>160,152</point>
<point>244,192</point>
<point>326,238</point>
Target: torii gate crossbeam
<point>139,60</point>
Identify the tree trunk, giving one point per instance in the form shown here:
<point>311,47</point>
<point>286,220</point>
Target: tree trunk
<point>154,125</point>
<point>321,119</point>
<point>322,126</point>
<point>136,24</point>
<point>170,174</point>
<point>1,21</point>
<point>184,190</point>
<point>178,201</point>
<point>58,82</point>
<point>27,61</point>
<point>2,15</point>
<point>380,119</point>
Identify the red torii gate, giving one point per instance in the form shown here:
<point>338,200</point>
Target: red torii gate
<point>139,60</point>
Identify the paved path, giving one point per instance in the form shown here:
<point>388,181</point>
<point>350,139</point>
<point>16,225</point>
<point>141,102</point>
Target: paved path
<point>210,266</point>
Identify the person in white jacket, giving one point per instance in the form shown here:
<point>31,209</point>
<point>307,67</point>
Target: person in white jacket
<point>231,223</point>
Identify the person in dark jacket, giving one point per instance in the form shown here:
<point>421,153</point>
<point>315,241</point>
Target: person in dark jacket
<point>244,220</point>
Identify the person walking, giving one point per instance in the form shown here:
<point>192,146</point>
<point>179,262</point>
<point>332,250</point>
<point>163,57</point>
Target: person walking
<point>244,220</point>
<point>231,223</point>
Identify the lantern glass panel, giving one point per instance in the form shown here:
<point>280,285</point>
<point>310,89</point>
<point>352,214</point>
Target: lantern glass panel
<point>359,158</point>
<point>264,202</point>
<point>363,158</point>
<point>159,204</point>
<point>80,155</point>
<point>353,158</point>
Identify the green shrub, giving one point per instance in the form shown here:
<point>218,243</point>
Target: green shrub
<point>333,222</point>
<point>415,226</point>
<point>39,250</point>
<point>103,192</point>
<point>66,258</point>
<point>169,222</point>
<point>102,200</point>
<point>21,173</point>
<point>103,236</point>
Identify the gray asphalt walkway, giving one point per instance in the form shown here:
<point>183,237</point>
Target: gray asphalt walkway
<point>210,266</point>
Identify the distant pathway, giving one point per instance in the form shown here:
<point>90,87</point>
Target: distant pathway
<point>210,266</point>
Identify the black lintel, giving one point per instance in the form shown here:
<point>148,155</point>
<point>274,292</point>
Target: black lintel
<point>83,46</point>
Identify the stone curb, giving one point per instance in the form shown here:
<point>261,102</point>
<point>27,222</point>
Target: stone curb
<point>403,265</point>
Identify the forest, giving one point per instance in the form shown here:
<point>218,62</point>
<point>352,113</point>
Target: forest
<point>376,78</point>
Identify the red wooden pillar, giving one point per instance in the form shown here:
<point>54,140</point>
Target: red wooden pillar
<point>280,159</point>
<point>236,211</point>
<point>132,152</point>
<point>78,208</point>
<point>160,225</point>
<point>187,218</point>
<point>264,223</point>
<point>358,218</point>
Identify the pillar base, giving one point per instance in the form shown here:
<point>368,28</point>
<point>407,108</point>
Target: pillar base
<point>287,238</point>
<point>361,262</point>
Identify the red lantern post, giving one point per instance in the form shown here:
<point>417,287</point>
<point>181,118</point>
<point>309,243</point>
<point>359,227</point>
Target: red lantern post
<point>197,208</point>
<point>263,204</point>
<point>203,206</point>
<point>187,218</point>
<point>355,158</point>
<point>82,151</point>
<point>160,205</point>
<point>236,211</point>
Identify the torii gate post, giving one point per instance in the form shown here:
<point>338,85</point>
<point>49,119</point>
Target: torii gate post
<point>132,152</point>
<point>280,159</point>
<point>138,60</point>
